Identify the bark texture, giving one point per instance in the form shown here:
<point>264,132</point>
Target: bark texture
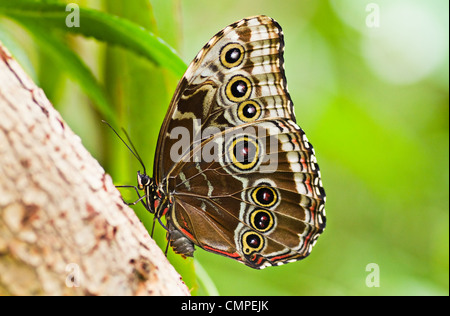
<point>64,229</point>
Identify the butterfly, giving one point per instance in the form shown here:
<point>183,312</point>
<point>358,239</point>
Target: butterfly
<point>234,174</point>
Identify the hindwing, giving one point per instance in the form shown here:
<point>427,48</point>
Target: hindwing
<point>262,208</point>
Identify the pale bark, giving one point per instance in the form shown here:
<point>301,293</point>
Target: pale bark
<point>64,229</point>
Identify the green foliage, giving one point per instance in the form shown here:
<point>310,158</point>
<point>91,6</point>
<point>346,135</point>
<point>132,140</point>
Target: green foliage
<point>40,16</point>
<point>373,102</point>
<point>104,27</point>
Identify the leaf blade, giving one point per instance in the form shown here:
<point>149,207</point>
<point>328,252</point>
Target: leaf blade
<point>73,65</point>
<point>101,26</point>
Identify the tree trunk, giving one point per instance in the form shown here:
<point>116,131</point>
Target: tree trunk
<point>64,229</point>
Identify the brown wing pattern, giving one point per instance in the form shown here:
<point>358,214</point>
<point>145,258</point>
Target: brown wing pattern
<point>244,180</point>
<point>203,99</point>
<point>266,208</point>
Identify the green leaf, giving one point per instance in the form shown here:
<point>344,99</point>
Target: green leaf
<point>102,26</point>
<point>73,65</point>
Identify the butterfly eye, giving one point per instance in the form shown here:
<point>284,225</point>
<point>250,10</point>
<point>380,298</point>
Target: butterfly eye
<point>261,220</point>
<point>251,242</point>
<point>232,55</point>
<point>143,180</point>
<point>238,89</point>
<point>249,111</point>
<point>265,196</point>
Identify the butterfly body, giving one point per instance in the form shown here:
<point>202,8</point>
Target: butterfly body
<point>234,174</point>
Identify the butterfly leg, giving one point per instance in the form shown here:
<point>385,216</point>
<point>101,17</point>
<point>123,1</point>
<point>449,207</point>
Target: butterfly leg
<point>167,249</point>
<point>140,199</point>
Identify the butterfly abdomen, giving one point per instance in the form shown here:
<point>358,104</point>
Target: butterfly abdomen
<point>179,242</point>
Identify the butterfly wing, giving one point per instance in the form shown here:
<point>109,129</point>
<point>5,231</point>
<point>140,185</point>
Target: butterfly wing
<point>245,182</point>
<point>266,208</point>
<point>246,55</point>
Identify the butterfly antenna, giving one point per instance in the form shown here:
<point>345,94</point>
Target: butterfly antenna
<point>132,149</point>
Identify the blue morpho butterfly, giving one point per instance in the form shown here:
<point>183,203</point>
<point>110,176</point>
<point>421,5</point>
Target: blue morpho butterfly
<point>258,198</point>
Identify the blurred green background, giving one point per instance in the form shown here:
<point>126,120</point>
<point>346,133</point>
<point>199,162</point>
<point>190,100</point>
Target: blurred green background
<point>369,80</point>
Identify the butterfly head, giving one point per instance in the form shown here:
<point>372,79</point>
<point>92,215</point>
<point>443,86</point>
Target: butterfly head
<point>144,180</point>
<point>148,184</point>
